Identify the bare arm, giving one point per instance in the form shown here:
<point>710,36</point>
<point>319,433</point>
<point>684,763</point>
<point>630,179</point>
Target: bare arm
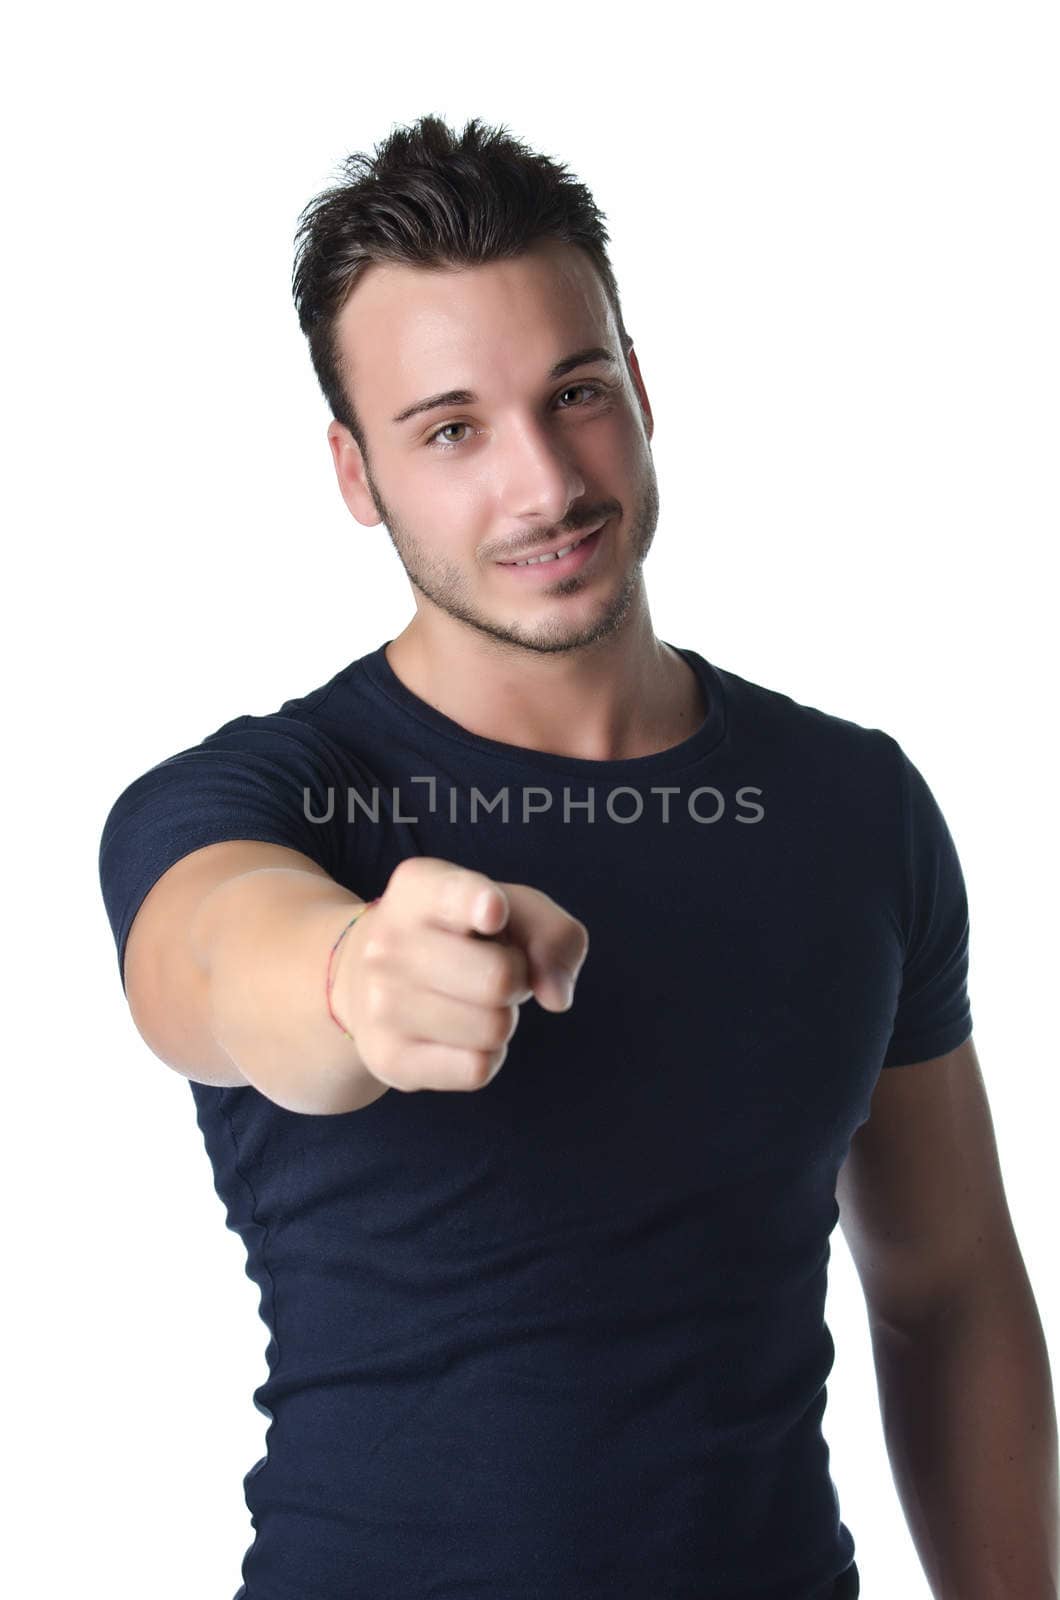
<point>225,971</point>
<point>965,1388</point>
<point>970,1429</point>
<point>263,940</point>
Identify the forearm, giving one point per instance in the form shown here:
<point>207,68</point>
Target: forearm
<point>263,941</point>
<point>970,1426</point>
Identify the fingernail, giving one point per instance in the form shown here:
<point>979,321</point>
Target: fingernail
<point>482,905</point>
<point>563,983</point>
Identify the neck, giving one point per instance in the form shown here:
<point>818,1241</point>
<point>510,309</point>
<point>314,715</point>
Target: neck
<point>624,696</point>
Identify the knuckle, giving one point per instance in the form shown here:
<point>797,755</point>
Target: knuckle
<point>373,946</point>
<point>408,867</point>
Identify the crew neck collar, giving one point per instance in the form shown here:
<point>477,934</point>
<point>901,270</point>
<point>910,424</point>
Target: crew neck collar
<point>381,675</point>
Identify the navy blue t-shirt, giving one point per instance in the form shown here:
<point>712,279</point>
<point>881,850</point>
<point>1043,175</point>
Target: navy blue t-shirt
<point>564,1335</point>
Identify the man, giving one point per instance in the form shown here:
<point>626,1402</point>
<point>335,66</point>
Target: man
<point>548,1319</point>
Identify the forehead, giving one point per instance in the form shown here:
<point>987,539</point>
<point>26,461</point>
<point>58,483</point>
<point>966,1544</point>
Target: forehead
<point>424,326</point>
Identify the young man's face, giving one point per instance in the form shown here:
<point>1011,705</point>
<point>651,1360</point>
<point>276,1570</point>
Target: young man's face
<point>533,459</point>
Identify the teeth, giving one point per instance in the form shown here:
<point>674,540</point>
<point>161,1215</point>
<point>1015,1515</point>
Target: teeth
<point>532,561</point>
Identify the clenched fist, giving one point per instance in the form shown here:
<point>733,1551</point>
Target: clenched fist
<point>434,974</point>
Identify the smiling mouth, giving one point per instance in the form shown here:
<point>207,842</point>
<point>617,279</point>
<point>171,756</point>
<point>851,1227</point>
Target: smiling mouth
<point>555,555</point>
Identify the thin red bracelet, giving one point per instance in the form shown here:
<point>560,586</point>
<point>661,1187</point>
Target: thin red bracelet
<point>330,980</point>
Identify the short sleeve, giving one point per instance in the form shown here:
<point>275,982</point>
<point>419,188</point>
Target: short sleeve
<point>264,778</point>
<point>933,1014</point>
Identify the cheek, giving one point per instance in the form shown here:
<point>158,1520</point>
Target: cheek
<point>623,431</point>
<point>612,463</point>
<point>439,502</point>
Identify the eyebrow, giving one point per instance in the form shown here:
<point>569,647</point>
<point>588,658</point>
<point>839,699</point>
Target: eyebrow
<point>464,397</point>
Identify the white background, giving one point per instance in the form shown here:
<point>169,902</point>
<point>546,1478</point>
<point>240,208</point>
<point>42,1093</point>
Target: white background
<point>835,233</point>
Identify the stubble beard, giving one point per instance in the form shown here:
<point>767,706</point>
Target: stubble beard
<point>448,587</point>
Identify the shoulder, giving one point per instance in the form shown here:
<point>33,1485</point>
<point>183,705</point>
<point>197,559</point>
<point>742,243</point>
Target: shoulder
<point>809,739</point>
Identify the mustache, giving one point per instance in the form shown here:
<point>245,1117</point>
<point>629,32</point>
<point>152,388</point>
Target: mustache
<point>545,537</point>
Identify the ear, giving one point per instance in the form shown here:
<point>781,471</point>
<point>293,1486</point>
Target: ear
<point>352,475</point>
<point>642,393</point>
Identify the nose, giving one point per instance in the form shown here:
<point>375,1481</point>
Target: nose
<point>540,478</point>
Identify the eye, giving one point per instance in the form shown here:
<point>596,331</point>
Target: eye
<point>572,388</point>
<point>439,443</point>
<point>435,441</point>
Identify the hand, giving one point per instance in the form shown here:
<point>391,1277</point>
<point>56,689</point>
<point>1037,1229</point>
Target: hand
<point>431,985</point>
